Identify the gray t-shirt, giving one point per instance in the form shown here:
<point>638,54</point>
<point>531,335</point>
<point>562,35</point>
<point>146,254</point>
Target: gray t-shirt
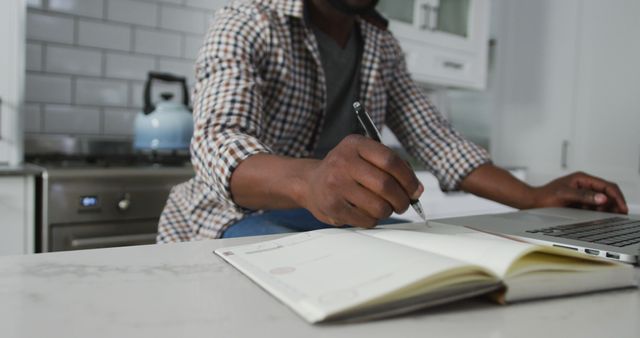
<point>340,67</point>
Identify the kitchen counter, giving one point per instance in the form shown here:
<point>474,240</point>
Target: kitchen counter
<point>18,209</point>
<point>184,290</point>
<point>24,169</point>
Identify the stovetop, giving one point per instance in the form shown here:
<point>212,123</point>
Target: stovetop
<point>109,161</point>
<point>65,151</point>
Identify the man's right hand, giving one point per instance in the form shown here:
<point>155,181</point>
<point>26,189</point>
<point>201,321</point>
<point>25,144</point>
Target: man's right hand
<point>358,183</point>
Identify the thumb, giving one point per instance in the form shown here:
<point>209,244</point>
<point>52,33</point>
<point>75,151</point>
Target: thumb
<point>584,196</point>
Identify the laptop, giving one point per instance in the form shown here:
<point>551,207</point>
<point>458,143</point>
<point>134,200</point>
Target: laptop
<point>612,236</point>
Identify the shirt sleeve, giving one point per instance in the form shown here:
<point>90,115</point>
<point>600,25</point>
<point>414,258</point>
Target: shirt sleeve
<point>424,132</point>
<point>227,107</point>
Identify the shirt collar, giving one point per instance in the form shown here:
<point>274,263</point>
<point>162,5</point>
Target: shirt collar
<point>298,9</point>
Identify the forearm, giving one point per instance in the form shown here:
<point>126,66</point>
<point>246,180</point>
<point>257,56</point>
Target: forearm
<point>264,181</point>
<point>499,185</point>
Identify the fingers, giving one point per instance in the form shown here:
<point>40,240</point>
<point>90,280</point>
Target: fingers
<point>362,181</point>
<point>581,197</point>
<point>615,192</point>
<point>615,200</point>
<point>386,160</point>
<point>372,204</point>
<point>587,199</point>
<point>380,184</point>
<point>344,213</point>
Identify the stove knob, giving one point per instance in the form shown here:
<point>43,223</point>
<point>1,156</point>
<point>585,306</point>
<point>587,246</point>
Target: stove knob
<point>124,203</point>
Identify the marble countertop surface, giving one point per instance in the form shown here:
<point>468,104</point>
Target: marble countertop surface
<point>184,290</point>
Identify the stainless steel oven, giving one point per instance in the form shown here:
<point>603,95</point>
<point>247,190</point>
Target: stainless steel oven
<point>84,208</point>
<point>97,193</point>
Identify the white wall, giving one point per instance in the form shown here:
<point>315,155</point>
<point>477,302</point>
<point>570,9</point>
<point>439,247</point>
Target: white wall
<point>87,59</point>
<point>471,111</point>
<point>567,78</point>
<point>12,18</point>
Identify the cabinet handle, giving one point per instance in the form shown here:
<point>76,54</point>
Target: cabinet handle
<point>0,117</point>
<point>433,18</point>
<point>453,65</point>
<point>565,150</point>
<point>426,18</point>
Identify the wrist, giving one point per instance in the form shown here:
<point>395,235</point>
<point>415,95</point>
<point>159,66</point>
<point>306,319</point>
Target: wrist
<point>530,197</point>
<point>499,185</point>
<point>300,179</point>
<point>265,181</point>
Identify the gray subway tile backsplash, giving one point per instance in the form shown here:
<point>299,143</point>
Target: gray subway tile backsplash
<point>192,46</point>
<point>101,92</point>
<point>182,19</point>
<point>175,2</point>
<point>104,35</point>
<point>156,42</point>
<point>133,12</point>
<point>71,119</point>
<point>46,88</point>
<point>119,121</point>
<point>128,66</point>
<point>208,4</point>
<point>34,56</point>
<point>32,117</point>
<point>92,8</point>
<point>87,59</point>
<point>73,60</point>
<point>47,27</point>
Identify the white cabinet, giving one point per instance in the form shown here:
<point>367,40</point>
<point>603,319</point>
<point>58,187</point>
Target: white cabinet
<point>535,64</point>
<point>445,41</point>
<point>12,56</point>
<point>568,89</point>
<point>17,214</point>
<point>607,127</point>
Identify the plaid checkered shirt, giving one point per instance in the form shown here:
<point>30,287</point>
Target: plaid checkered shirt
<point>261,89</point>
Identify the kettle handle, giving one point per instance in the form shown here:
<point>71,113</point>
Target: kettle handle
<point>166,77</point>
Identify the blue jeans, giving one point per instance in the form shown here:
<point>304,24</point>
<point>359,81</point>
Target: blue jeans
<point>282,221</point>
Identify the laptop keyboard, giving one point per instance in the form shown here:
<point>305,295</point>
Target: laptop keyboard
<point>616,231</point>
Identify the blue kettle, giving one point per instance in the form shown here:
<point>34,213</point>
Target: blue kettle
<point>167,126</point>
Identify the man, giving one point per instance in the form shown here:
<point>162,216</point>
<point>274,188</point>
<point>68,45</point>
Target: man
<point>275,145</point>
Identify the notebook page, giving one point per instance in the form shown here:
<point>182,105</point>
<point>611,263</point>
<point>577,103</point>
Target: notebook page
<point>322,272</point>
<point>496,255</point>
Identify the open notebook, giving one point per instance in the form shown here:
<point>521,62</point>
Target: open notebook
<point>351,274</point>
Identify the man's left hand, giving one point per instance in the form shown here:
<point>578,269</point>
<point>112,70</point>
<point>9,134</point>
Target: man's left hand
<point>580,190</point>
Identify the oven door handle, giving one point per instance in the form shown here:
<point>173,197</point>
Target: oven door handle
<point>107,241</point>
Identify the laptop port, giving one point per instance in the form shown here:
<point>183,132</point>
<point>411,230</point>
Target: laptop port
<point>592,252</point>
<point>565,247</point>
<point>613,255</point>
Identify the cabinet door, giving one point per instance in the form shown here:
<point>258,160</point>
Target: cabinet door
<point>404,14</point>
<point>17,215</point>
<point>608,101</point>
<point>12,40</point>
<point>455,24</point>
<point>444,67</point>
<point>535,62</point>
<point>445,41</point>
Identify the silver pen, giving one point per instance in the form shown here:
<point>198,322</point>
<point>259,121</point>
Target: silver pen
<point>372,132</point>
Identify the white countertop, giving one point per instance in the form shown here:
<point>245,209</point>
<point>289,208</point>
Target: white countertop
<point>20,170</point>
<point>183,290</point>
